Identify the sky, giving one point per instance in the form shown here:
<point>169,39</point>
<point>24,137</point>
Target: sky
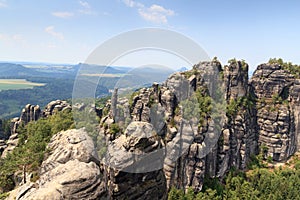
<point>68,31</point>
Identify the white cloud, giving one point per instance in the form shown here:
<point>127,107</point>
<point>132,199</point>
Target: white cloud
<point>63,14</point>
<point>11,38</point>
<point>132,4</point>
<point>86,8</point>
<point>85,4</point>
<point>50,30</point>
<point>155,13</point>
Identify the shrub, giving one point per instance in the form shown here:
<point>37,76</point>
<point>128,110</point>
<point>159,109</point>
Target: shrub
<point>33,139</point>
<point>114,129</point>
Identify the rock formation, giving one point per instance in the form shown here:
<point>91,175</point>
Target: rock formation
<point>3,145</point>
<point>277,92</point>
<point>28,114</point>
<point>70,171</point>
<point>170,135</point>
<point>239,135</point>
<point>126,164</point>
<point>249,124</point>
<point>1,130</point>
<point>55,106</point>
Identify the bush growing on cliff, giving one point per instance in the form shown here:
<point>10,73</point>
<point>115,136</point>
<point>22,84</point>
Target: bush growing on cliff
<point>292,68</point>
<point>235,105</point>
<point>276,99</point>
<point>203,108</point>
<point>33,139</point>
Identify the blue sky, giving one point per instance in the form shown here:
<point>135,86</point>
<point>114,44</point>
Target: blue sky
<point>68,31</point>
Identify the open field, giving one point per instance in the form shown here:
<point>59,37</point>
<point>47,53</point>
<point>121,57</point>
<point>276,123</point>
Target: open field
<point>16,84</point>
<point>105,75</point>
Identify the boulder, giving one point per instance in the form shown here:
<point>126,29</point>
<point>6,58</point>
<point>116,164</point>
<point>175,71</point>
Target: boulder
<point>70,171</point>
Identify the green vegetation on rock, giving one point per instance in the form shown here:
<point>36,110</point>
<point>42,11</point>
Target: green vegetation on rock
<point>235,105</point>
<point>203,108</point>
<point>292,68</point>
<point>30,152</point>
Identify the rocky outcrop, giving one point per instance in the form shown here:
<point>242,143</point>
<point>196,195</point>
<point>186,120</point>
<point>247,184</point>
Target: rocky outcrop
<point>10,145</point>
<point>1,130</point>
<point>255,117</point>
<point>70,171</point>
<point>294,95</point>
<point>277,92</point>
<point>3,138</point>
<point>193,149</point>
<point>33,113</point>
<point>55,106</point>
<point>239,135</point>
<point>28,114</point>
<point>134,164</point>
<point>237,139</point>
<point>3,145</point>
<point>171,135</point>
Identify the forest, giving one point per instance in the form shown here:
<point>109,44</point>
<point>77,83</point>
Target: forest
<point>258,182</point>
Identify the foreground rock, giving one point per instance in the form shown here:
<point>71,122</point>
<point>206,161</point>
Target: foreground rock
<point>70,171</point>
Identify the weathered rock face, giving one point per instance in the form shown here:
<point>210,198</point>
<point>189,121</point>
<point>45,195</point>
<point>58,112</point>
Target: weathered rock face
<point>3,145</point>
<point>185,166</point>
<point>28,114</point>
<point>130,161</point>
<point>239,135</point>
<point>295,108</point>
<point>237,140</point>
<point>56,106</point>
<point>10,145</point>
<point>71,170</point>
<point>236,80</point>
<point>12,141</point>
<point>1,130</point>
<point>185,141</point>
<point>3,137</point>
<point>154,144</point>
<point>277,110</point>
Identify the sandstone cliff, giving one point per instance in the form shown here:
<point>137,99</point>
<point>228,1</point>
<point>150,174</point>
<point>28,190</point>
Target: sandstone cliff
<point>278,98</point>
<point>171,134</point>
<point>254,122</point>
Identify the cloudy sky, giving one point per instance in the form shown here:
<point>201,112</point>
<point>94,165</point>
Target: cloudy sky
<point>62,31</point>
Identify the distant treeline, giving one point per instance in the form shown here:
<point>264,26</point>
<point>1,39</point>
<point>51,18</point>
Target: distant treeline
<point>12,101</point>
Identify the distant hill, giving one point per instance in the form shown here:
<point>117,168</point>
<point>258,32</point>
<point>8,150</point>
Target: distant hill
<point>13,70</point>
<point>27,70</point>
<point>182,69</point>
<point>99,69</point>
